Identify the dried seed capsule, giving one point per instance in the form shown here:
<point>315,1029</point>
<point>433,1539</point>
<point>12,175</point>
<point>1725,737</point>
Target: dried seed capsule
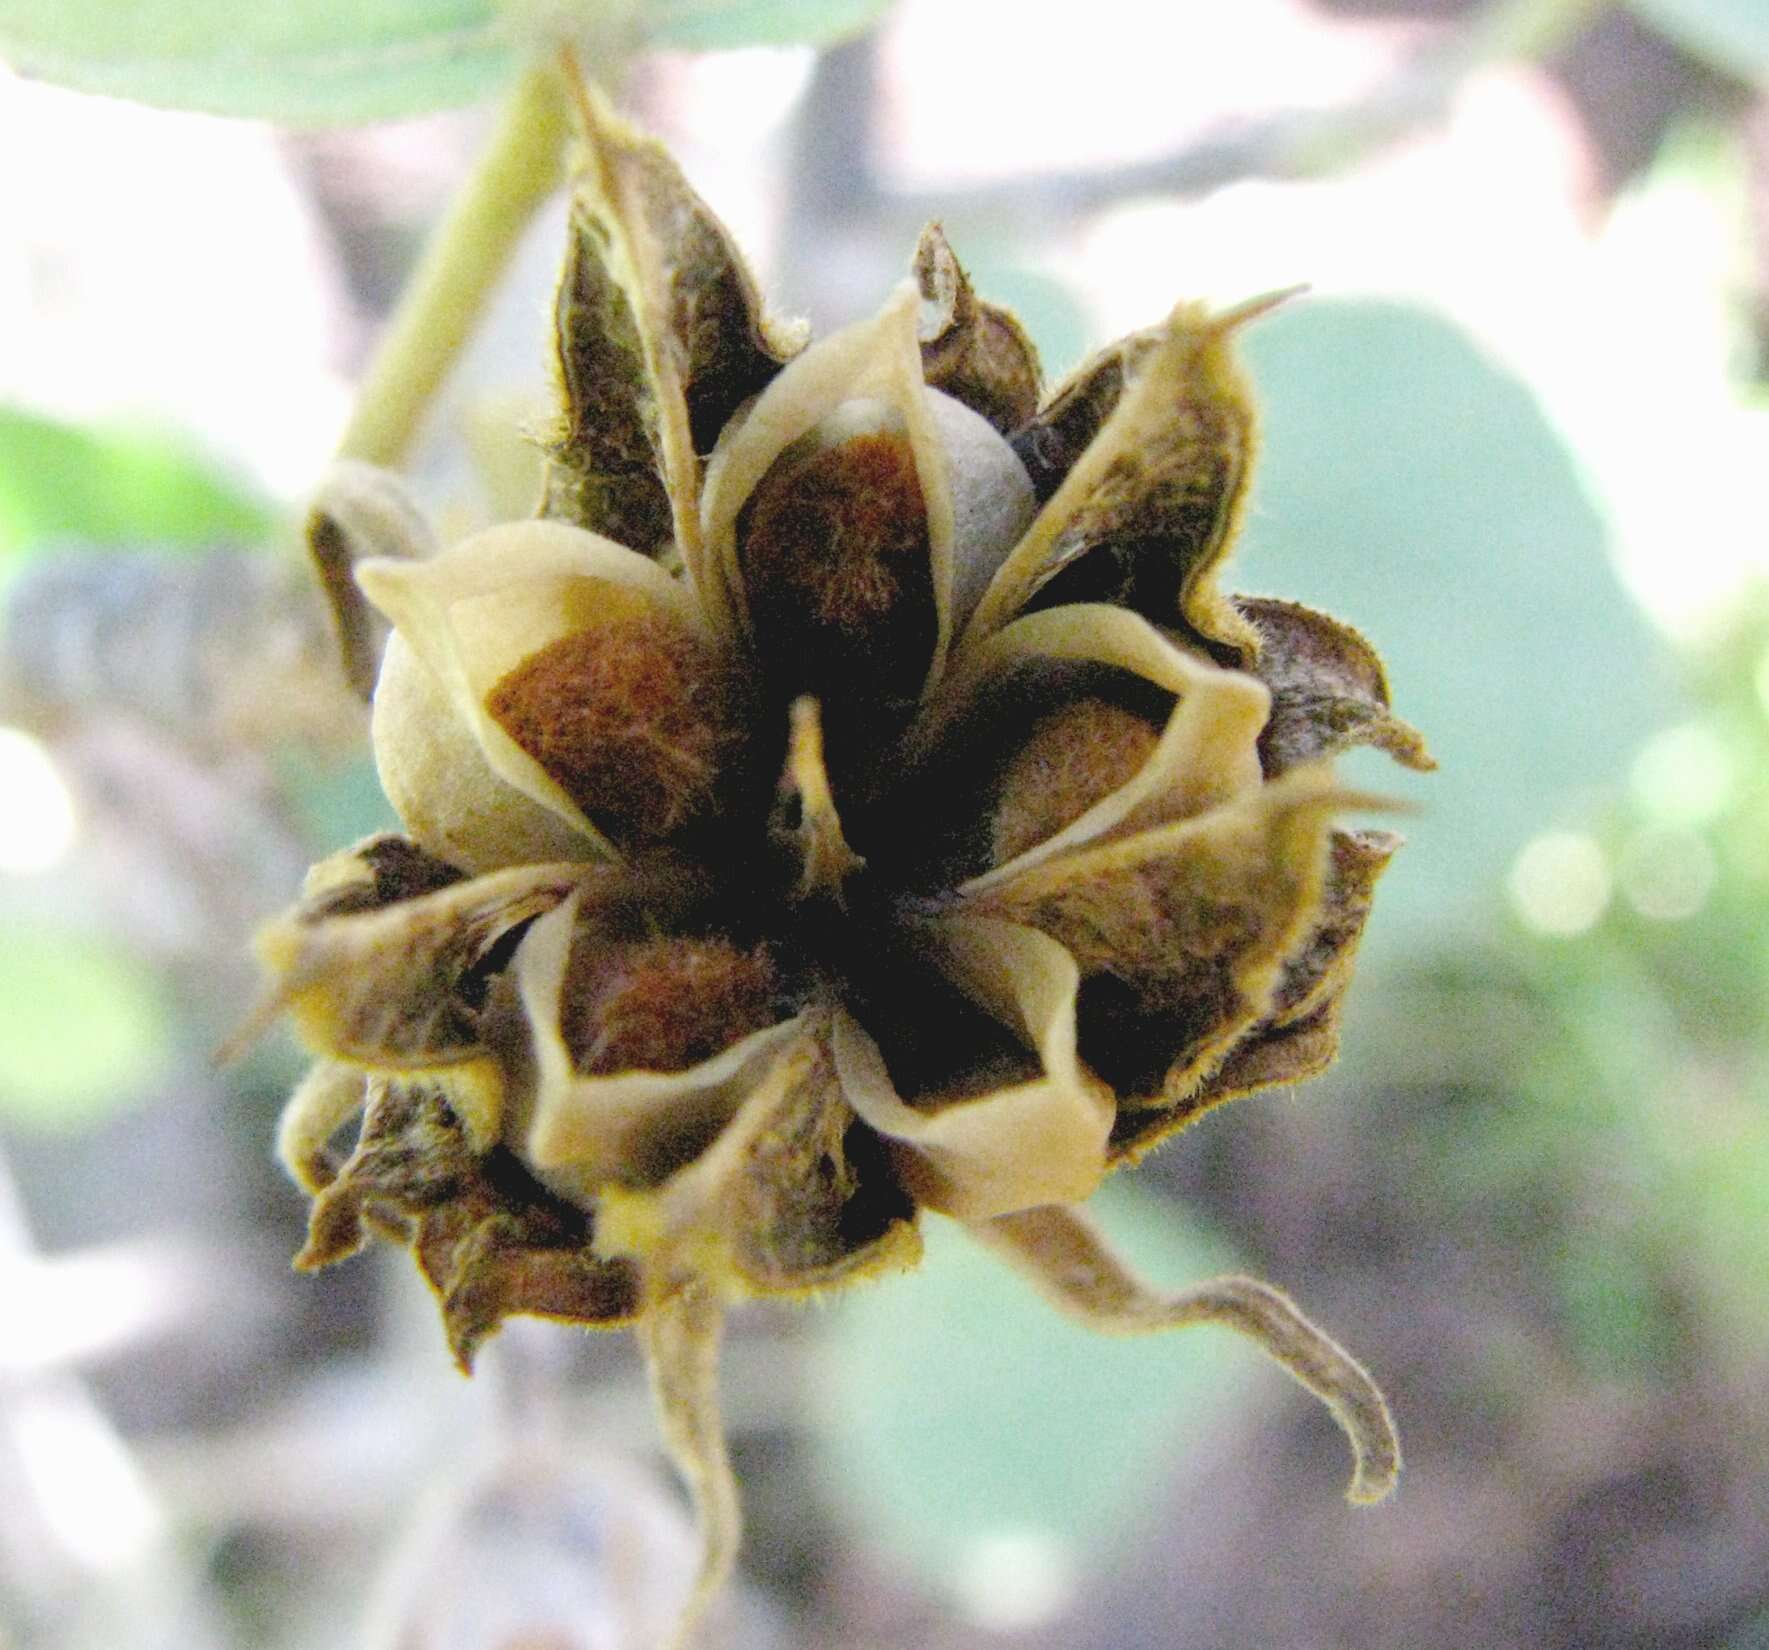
<point>834,553</point>
<point>661,1004</point>
<point>439,784</point>
<point>577,677</point>
<point>630,718</point>
<point>1074,757</point>
<point>1052,868</point>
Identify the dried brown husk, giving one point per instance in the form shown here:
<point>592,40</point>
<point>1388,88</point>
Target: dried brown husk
<point>1163,482</point>
<point>662,334</point>
<point>1298,1037</point>
<point>974,351</point>
<point>1183,931</point>
<point>397,990</point>
<point>1329,690</point>
<point>791,1198</point>
<point>487,1238</point>
<point>1040,1140</point>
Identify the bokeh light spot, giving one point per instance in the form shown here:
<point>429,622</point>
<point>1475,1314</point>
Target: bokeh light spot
<point>1560,883</point>
<point>1685,775</point>
<point>1012,1580</point>
<point>37,824</point>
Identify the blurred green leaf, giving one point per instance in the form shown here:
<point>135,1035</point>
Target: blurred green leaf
<point>301,61</point>
<point>713,25</point>
<point>83,1029</point>
<point>1612,1309</point>
<point>1732,35</point>
<point>60,483</point>
<point>315,62</point>
<point>959,1409</point>
<point>1413,488</point>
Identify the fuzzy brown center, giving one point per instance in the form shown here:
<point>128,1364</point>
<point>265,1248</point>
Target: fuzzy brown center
<point>1075,757</point>
<point>631,718</point>
<point>664,1004</point>
<point>835,557</point>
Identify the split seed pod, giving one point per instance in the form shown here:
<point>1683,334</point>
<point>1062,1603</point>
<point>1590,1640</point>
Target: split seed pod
<point>851,797</point>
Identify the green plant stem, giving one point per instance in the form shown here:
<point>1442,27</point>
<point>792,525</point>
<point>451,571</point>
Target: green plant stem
<point>518,171</point>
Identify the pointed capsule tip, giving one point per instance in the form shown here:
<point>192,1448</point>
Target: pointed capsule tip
<point>252,1030</point>
<point>1252,309</point>
<point>577,85</point>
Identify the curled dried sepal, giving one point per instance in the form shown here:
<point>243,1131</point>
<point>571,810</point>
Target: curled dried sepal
<point>379,871</point>
<point>1160,487</point>
<point>1038,1140</point>
<point>359,512</point>
<point>1319,969</point>
<point>1267,1057</point>
<point>1329,690</point>
<point>1182,931</point>
<point>679,1334</point>
<point>486,1237</point>
<point>1071,1265</point>
<point>1299,1035</point>
<point>394,990</point>
<point>974,351</point>
<point>323,1102</point>
<point>790,1198</point>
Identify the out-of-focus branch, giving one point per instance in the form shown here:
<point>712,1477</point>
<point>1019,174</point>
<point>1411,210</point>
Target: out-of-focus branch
<point>835,177</point>
<point>520,169</point>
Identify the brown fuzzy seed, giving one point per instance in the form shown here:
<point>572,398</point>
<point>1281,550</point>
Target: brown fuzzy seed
<point>838,546</point>
<point>664,1004</point>
<point>1074,757</point>
<point>631,718</point>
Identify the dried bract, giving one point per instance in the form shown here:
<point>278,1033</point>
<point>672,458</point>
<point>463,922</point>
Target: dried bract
<point>851,796</point>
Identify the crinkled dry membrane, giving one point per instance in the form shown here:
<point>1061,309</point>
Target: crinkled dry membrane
<point>548,695</point>
<point>839,525</point>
